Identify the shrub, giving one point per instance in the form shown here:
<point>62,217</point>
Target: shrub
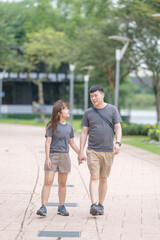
<point>135,129</point>
<point>154,133</point>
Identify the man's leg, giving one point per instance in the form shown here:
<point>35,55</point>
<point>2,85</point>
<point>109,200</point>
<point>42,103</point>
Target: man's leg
<point>93,187</point>
<point>48,181</point>
<point>102,189</point>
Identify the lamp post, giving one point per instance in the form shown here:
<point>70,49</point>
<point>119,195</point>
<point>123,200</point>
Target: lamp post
<point>119,56</point>
<point>71,91</point>
<point>86,80</point>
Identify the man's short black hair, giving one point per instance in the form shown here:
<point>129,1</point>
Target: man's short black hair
<point>96,88</point>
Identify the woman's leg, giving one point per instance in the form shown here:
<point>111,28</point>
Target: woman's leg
<point>62,178</point>
<point>48,181</point>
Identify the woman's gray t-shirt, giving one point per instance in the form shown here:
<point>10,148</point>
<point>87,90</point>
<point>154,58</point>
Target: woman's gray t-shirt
<point>100,133</point>
<point>60,141</point>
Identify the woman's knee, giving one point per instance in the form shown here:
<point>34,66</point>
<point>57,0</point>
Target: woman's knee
<point>48,182</point>
<point>62,179</point>
<point>62,184</point>
<point>49,177</point>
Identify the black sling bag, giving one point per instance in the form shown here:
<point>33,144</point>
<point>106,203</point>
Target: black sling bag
<point>104,118</point>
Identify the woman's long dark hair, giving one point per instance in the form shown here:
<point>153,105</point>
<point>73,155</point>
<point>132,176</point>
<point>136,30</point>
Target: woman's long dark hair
<point>55,117</point>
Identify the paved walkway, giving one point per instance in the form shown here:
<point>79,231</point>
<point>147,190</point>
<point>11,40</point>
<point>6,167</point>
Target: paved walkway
<point>132,205</point>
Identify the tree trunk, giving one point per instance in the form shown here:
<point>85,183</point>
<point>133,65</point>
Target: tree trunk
<point>109,95</point>
<point>111,83</point>
<point>157,98</point>
<point>41,100</point>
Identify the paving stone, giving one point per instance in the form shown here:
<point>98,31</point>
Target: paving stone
<point>132,204</point>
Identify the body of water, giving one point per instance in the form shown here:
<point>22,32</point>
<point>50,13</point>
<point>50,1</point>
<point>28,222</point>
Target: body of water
<point>135,116</point>
<point>141,116</point>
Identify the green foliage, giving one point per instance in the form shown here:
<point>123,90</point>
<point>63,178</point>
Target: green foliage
<point>46,46</point>
<point>126,94</point>
<point>135,129</point>
<point>42,26</point>
<point>137,22</point>
<point>141,129</point>
<point>153,133</point>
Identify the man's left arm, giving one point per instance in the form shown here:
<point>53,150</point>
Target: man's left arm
<point>117,143</point>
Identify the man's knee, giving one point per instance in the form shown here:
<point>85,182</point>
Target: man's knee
<point>94,176</point>
<point>103,179</point>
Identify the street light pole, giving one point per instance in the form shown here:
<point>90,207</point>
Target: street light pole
<point>86,80</point>
<point>71,67</point>
<point>118,52</point>
<point>119,56</point>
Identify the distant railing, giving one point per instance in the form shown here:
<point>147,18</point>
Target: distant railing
<point>52,77</point>
<point>37,108</point>
<point>28,109</point>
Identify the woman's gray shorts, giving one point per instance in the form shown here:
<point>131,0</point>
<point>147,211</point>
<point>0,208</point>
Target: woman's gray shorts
<point>60,162</point>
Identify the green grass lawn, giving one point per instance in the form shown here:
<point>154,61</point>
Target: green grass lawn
<point>36,122</point>
<point>137,141</point>
<point>141,142</point>
<point>32,122</point>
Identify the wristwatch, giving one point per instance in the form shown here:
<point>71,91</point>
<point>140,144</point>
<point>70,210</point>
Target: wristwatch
<point>119,143</point>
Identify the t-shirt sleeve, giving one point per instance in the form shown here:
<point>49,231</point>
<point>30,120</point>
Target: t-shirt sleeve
<point>116,116</point>
<point>48,132</point>
<point>85,120</point>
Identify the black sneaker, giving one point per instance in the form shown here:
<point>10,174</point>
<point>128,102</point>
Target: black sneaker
<point>42,211</point>
<point>94,209</point>
<point>62,211</point>
<point>100,209</point>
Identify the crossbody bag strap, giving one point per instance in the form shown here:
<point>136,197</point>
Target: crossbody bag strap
<point>104,118</point>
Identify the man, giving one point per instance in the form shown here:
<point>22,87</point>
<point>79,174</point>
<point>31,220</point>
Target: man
<point>101,147</point>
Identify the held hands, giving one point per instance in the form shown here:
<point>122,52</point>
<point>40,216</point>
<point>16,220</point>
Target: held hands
<point>81,158</point>
<point>48,163</point>
<point>116,149</point>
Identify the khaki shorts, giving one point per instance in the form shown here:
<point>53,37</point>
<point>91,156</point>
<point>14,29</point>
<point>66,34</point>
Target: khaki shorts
<point>100,162</point>
<point>60,162</point>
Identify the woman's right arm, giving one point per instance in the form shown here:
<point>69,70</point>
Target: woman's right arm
<point>47,151</point>
<point>83,139</point>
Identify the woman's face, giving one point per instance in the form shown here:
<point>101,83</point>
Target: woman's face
<point>65,113</point>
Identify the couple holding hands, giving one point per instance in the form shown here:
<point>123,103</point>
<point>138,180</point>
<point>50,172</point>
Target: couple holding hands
<point>101,120</point>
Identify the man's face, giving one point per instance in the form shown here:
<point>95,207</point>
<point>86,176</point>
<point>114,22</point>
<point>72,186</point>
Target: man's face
<point>97,98</point>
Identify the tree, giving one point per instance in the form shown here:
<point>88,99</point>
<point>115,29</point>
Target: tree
<point>137,21</point>
<point>95,22</point>
<point>6,40</point>
<point>47,48</point>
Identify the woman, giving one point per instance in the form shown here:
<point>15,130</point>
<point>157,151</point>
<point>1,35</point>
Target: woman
<point>59,135</point>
